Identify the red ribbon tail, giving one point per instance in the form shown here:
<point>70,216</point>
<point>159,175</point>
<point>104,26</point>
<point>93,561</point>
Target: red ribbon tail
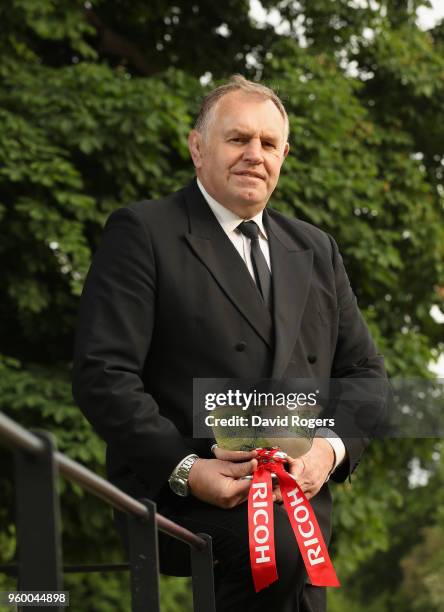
<point>308,534</point>
<point>261,530</point>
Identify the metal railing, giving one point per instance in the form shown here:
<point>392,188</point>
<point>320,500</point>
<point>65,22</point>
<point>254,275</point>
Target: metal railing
<point>39,567</point>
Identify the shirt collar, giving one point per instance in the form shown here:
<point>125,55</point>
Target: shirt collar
<point>226,217</point>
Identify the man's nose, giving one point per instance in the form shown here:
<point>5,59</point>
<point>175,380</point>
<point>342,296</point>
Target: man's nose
<point>253,151</point>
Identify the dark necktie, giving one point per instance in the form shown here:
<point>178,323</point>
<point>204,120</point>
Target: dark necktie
<point>261,270</point>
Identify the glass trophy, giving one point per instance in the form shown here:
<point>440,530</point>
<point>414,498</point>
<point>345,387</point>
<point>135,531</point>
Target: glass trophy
<point>265,427</point>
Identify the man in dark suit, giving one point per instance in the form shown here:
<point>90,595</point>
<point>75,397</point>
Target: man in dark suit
<point>181,289</point>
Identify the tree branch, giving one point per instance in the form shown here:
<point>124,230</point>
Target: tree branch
<point>113,43</point>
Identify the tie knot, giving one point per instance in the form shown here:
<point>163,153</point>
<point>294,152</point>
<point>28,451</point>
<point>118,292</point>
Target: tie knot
<point>249,229</point>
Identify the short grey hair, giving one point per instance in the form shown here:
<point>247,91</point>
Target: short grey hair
<point>237,83</point>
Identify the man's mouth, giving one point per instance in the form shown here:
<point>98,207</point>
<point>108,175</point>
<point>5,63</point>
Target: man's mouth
<point>251,174</point>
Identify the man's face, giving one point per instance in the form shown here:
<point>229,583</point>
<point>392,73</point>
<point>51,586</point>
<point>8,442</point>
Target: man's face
<point>239,157</point>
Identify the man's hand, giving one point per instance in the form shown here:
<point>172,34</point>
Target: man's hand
<point>311,470</point>
<point>216,481</point>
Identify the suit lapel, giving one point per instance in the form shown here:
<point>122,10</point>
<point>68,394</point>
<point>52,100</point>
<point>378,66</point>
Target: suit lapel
<point>215,250</point>
<point>291,267</point>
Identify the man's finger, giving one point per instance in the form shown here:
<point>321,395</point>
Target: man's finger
<point>297,469</point>
<point>238,491</point>
<point>240,487</point>
<point>310,492</point>
<point>238,470</point>
<point>236,456</point>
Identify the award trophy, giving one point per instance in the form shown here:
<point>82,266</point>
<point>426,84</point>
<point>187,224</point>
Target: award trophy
<point>266,426</point>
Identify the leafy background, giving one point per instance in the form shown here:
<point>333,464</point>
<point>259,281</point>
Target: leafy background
<point>96,100</point>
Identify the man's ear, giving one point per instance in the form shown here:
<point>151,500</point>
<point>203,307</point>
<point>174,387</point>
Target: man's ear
<point>286,149</point>
<point>195,147</point>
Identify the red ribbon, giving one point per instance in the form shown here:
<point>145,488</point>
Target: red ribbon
<point>311,544</point>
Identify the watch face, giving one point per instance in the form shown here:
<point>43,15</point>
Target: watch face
<point>179,487</point>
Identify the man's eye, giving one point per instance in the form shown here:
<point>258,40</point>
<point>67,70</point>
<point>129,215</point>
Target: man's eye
<point>269,145</point>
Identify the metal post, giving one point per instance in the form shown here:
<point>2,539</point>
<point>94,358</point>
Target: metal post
<point>144,561</point>
<point>38,520</point>
<point>203,577</point>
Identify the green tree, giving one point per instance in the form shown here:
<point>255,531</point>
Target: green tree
<point>423,584</point>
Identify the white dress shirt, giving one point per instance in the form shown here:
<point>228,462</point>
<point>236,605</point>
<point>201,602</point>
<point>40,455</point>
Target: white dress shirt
<point>229,221</point>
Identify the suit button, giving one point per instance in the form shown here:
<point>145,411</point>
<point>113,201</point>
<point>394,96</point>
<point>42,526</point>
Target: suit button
<point>241,346</point>
<point>312,359</point>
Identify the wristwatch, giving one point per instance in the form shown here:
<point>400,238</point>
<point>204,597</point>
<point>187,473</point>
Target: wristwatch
<point>178,480</point>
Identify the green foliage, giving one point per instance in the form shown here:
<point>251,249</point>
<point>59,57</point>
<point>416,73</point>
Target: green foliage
<point>406,572</point>
<point>360,181</point>
<point>71,152</point>
<point>96,101</point>
<point>423,584</point>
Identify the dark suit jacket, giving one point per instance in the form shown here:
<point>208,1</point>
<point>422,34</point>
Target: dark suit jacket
<point>168,298</point>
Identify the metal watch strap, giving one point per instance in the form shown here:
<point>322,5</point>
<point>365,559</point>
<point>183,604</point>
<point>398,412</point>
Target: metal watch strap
<point>178,480</point>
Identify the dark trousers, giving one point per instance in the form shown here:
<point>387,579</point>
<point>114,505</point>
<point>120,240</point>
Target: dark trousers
<point>233,580</point>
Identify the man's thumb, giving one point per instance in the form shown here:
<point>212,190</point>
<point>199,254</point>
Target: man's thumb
<point>243,469</point>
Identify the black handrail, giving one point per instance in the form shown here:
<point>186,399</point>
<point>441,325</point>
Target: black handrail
<point>142,515</point>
